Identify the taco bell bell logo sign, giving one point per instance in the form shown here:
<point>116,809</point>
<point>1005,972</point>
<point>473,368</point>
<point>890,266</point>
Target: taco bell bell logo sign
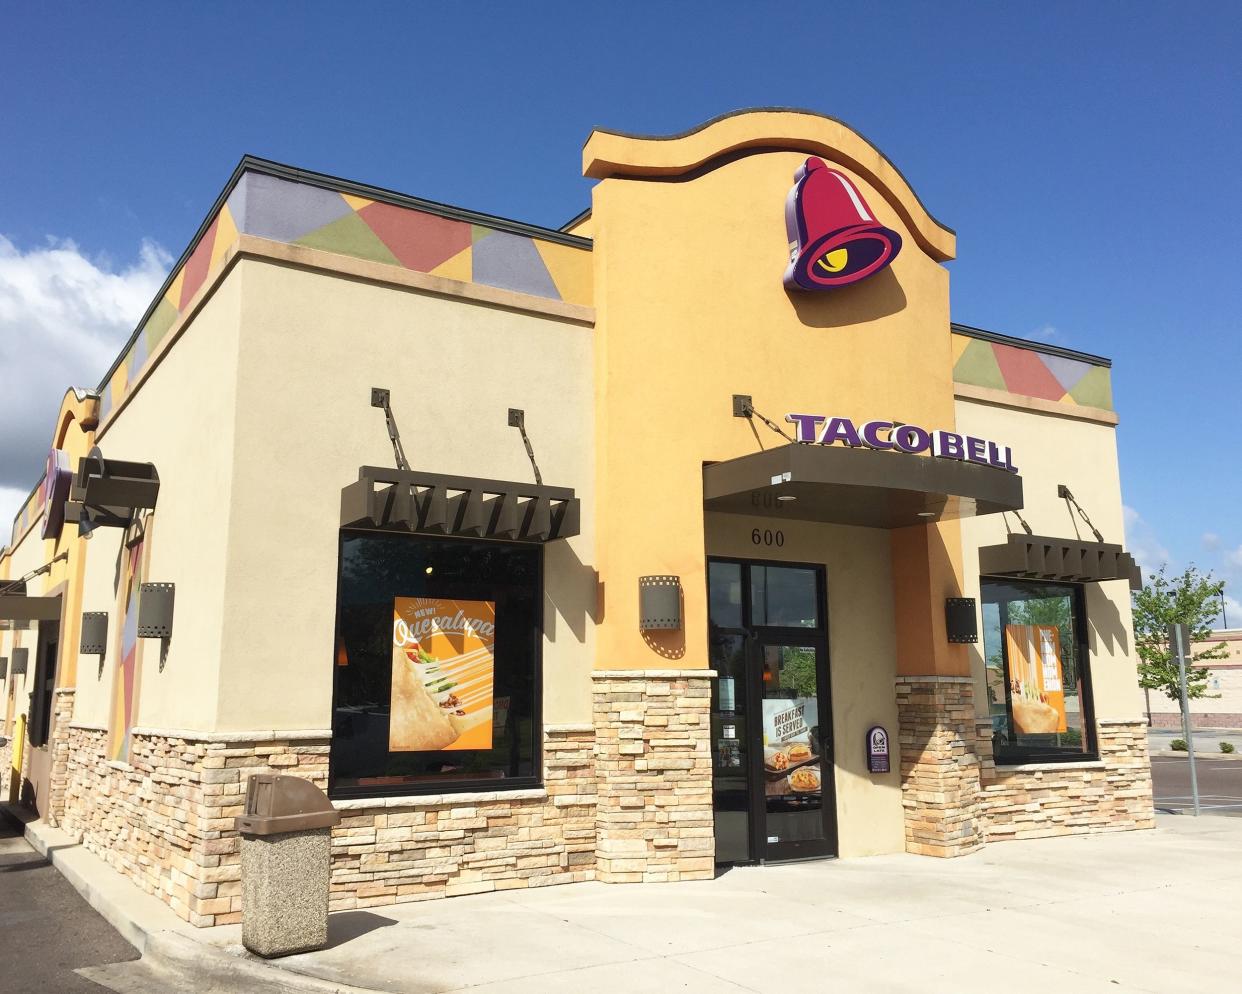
<point>834,238</point>
<point>818,429</point>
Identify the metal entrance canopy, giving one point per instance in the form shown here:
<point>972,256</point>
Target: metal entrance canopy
<point>854,486</point>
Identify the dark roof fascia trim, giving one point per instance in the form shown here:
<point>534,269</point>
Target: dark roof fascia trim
<point>778,110</point>
<point>1024,343</point>
<point>252,163</point>
<point>577,219</point>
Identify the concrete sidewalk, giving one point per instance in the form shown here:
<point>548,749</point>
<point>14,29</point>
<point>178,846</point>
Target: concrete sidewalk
<point>1135,911</point>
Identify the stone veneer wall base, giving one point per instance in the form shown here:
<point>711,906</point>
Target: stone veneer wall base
<point>58,743</point>
<point>165,819</point>
<point>939,767</point>
<point>653,765</point>
<point>1039,800</point>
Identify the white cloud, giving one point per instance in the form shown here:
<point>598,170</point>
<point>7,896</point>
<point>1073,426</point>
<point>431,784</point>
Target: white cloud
<point>11,500</point>
<point>63,320</point>
<point>1044,333</point>
<point>1142,543</point>
<point>1233,558</point>
<point>1211,541</point>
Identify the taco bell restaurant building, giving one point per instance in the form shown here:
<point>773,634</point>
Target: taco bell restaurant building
<point>702,535</point>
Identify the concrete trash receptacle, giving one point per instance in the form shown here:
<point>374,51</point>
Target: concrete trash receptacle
<point>286,856</point>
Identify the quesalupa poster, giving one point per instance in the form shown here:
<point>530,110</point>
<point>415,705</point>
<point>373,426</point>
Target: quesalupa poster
<point>1037,689</point>
<point>443,662</point>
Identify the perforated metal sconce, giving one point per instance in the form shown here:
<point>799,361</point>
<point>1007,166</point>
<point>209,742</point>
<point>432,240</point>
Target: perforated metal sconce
<point>20,658</point>
<point>94,633</point>
<point>155,611</point>
<point>659,603</point>
<point>4,667</point>
<point>960,619</point>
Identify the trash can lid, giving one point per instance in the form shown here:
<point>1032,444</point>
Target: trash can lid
<point>276,804</point>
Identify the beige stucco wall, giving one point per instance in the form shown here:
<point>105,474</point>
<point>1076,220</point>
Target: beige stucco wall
<point>312,347</point>
<point>862,660</point>
<point>182,420</point>
<point>1049,450</point>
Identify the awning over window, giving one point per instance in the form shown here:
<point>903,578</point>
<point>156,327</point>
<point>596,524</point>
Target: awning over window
<point>19,607</point>
<point>1067,560</point>
<point>463,506</point>
<point>854,486</point>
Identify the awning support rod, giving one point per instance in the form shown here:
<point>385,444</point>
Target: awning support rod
<point>1064,491</point>
<point>517,419</point>
<point>379,398</point>
<point>743,408</point>
<point>38,571</point>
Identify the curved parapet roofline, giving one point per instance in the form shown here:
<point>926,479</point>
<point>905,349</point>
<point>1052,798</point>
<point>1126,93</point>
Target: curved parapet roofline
<point>612,154</point>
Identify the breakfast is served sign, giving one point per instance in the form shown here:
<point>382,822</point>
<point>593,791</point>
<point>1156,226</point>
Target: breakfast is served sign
<point>443,664</point>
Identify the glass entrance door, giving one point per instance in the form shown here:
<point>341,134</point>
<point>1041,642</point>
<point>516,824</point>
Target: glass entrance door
<point>797,760</point>
<point>771,719</point>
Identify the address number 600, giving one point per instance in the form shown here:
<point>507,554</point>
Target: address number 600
<point>766,536</point>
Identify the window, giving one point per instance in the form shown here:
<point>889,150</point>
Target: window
<point>437,665</point>
<point>784,597</point>
<point>1038,683</point>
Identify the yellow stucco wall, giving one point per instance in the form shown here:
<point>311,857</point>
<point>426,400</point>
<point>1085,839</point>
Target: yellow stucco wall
<point>1082,454</point>
<point>182,419</point>
<point>692,310</point>
<point>23,557</point>
<point>862,656</point>
<point>312,347</point>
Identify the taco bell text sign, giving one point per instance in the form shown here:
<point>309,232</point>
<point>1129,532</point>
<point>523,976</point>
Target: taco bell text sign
<point>877,749</point>
<point>818,429</point>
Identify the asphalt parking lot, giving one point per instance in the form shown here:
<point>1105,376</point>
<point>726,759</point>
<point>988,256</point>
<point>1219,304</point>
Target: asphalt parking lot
<point>1220,784</point>
<point>47,931</point>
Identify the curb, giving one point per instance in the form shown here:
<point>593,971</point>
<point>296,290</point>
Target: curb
<point>171,955</point>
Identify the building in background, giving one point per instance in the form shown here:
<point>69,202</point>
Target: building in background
<point>709,538</point>
<point>1223,707</point>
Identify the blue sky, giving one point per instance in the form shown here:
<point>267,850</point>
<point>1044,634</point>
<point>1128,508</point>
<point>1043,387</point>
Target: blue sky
<point>1087,155</point>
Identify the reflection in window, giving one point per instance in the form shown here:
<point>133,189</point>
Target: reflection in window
<point>436,665</point>
<point>1036,672</point>
<point>783,596</point>
<point>724,591</point>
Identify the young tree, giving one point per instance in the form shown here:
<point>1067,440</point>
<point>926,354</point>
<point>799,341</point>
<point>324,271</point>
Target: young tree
<point>1191,600</point>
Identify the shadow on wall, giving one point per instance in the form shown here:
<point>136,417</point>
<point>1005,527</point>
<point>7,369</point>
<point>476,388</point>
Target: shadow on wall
<point>1104,624</point>
<point>875,297</point>
<point>570,590</point>
<point>668,644</point>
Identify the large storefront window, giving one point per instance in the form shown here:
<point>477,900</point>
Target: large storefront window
<point>437,665</point>
<point>1039,693</point>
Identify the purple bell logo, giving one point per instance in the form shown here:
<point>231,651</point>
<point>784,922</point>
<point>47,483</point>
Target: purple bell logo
<point>834,238</point>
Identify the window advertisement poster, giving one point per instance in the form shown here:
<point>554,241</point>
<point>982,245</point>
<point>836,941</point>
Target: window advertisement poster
<point>1037,689</point>
<point>443,664</point>
<point>790,747</point>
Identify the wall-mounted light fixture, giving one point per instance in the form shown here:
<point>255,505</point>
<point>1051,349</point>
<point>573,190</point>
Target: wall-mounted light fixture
<point>4,667</point>
<point>94,640</point>
<point>659,603</point>
<point>960,620</point>
<point>155,610</point>
<point>21,658</point>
